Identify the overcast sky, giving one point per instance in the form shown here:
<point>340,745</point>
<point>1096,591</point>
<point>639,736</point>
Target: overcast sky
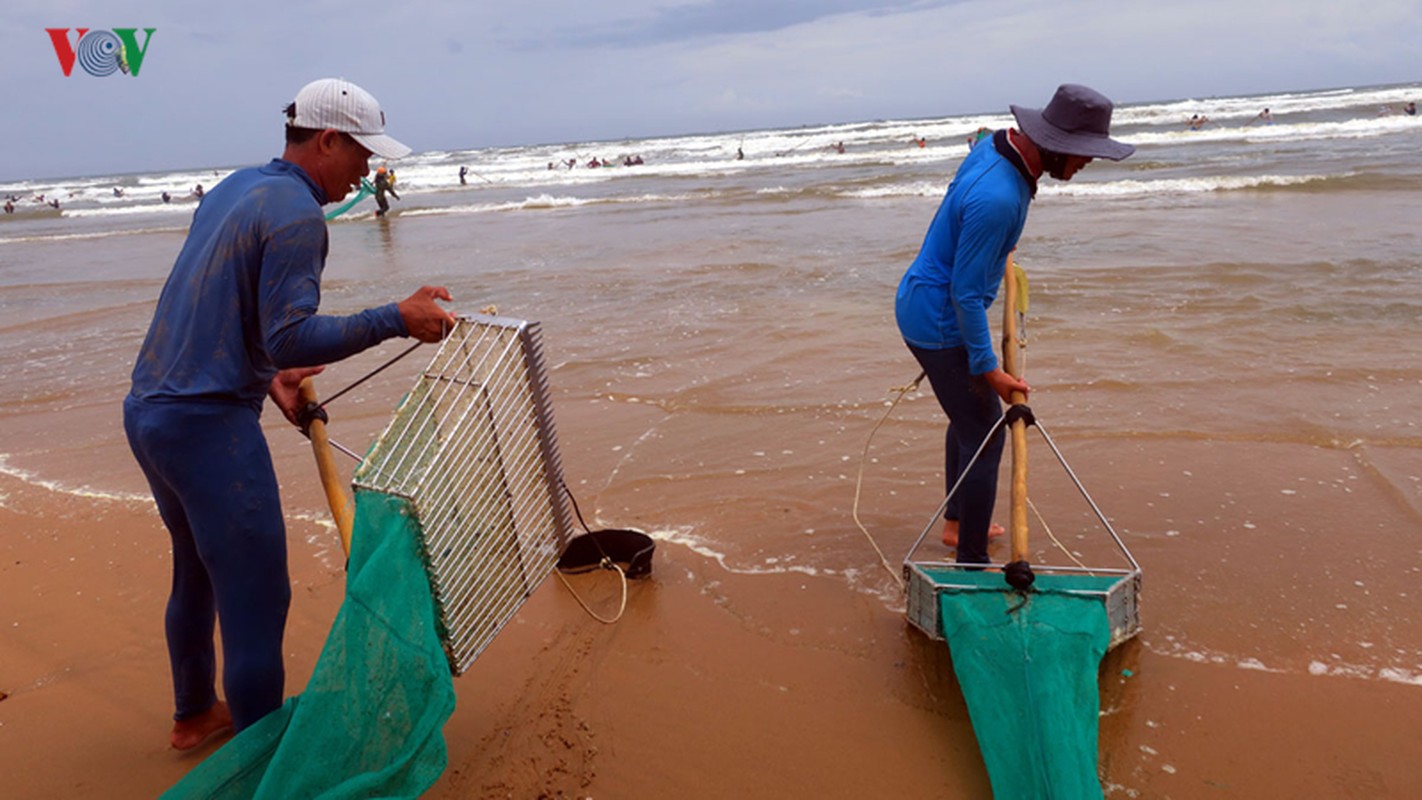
<point>454,75</point>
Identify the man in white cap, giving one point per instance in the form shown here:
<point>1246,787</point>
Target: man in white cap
<point>942,301</point>
<point>237,321</point>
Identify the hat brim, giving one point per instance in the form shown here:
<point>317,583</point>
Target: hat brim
<point>1047,135</point>
<point>381,145</point>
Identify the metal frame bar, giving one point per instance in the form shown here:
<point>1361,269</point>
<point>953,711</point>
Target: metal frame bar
<point>473,448</point>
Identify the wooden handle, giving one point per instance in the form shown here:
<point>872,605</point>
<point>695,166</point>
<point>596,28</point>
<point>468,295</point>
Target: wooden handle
<point>326,465</point>
<point>1012,365</point>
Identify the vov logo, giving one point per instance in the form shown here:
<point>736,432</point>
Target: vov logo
<point>101,53</point>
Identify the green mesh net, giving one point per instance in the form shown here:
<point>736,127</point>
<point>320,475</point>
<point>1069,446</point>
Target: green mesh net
<point>366,190</point>
<point>369,723</point>
<point>1027,665</point>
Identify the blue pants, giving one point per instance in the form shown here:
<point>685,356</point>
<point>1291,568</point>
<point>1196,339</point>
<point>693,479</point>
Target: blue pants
<point>972,408</point>
<point>212,478</point>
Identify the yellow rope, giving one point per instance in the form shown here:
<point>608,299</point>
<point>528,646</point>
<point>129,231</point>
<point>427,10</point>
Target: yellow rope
<point>606,564</point>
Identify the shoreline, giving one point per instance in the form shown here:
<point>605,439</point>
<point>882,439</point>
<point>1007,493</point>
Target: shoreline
<point>713,684</point>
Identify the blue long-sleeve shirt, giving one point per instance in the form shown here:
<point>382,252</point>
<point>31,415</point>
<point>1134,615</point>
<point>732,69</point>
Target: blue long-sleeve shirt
<point>944,296</point>
<point>240,303</point>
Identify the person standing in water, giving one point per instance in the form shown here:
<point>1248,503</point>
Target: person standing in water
<point>383,185</point>
<point>943,299</point>
<point>236,323</point>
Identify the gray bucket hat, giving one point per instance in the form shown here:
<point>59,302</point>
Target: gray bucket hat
<point>1077,123</point>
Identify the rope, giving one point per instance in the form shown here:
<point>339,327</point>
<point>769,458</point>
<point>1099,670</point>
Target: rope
<point>1054,539</point>
<point>444,331</point>
<point>370,374</point>
<point>605,563</point>
<point>320,408</point>
<point>622,606</point>
<point>859,479</point>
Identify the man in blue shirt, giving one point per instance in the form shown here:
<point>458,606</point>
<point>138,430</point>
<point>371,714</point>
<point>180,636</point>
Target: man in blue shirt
<point>237,322</point>
<point>944,296</point>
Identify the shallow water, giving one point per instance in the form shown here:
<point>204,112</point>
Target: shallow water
<point>1220,341</point>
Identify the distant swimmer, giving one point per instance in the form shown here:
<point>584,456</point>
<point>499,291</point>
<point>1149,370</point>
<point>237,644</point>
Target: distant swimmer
<point>197,191</point>
<point>53,203</point>
<point>1264,117</point>
<point>572,162</point>
<point>922,142</point>
<point>465,171</point>
<point>1410,109</point>
<point>118,191</point>
<point>740,154</point>
<point>594,163</point>
<point>1197,122</point>
<point>167,198</point>
<point>978,135</point>
<point>838,147</point>
<point>384,182</point>
<point>9,206</point>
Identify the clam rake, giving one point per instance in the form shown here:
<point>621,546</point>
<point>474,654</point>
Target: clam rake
<point>1026,648</point>
<point>472,455</point>
<point>1118,589</point>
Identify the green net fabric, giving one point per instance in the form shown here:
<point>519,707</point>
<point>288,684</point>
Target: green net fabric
<point>366,190</point>
<point>1027,666</point>
<point>370,721</point>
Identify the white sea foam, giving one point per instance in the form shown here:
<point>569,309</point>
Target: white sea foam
<point>702,547</point>
<point>131,210</point>
<point>61,237</point>
<point>542,202</point>
<point>1174,648</point>
<point>1169,186</point>
<point>87,492</point>
<point>798,161</point>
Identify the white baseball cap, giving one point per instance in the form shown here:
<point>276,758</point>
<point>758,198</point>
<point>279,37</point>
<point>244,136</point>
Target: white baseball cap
<point>342,106</point>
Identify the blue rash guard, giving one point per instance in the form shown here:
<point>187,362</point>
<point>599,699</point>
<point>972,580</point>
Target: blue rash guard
<point>944,296</point>
<point>241,301</point>
<point>941,308</point>
<point>239,306</point>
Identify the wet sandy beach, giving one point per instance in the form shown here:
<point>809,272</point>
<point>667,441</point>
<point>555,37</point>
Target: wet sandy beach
<point>1231,373</point>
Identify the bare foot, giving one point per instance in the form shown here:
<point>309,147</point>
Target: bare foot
<point>950,532</point>
<point>193,731</point>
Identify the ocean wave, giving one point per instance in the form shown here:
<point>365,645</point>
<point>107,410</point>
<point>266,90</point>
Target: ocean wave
<point>880,161</point>
<point>1357,128</point>
<point>130,210</point>
<point>31,479</point>
<point>1280,104</point>
<point>545,202</point>
<point>1176,186</point>
<point>63,237</point>
<point>1132,188</point>
<point>915,189</point>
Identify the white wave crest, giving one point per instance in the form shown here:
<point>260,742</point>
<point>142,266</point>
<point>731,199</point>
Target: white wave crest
<point>1169,186</point>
